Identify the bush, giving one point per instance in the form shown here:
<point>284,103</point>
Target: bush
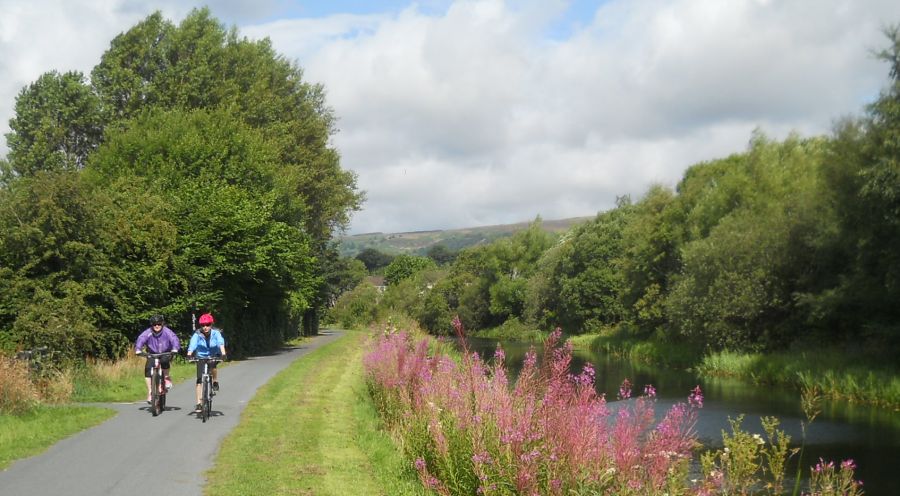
<point>357,308</point>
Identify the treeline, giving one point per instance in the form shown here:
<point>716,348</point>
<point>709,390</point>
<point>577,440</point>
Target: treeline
<point>793,240</point>
<point>191,170</point>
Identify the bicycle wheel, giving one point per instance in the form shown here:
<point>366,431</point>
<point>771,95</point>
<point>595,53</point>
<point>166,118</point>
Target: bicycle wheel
<point>155,405</point>
<point>204,407</point>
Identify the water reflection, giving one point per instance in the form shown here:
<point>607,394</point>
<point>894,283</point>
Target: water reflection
<point>868,435</point>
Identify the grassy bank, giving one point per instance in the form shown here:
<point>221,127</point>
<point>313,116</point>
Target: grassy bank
<point>121,380</point>
<point>838,373</point>
<point>313,430</point>
<point>678,356</point>
<point>30,433</point>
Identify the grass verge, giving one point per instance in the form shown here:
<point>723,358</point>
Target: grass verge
<point>313,430</point>
<point>33,432</point>
<point>121,380</point>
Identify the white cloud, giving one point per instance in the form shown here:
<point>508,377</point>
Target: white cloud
<point>474,115</point>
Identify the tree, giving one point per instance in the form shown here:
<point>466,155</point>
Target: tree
<point>405,266</point>
<point>650,257</point>
<point>57,125</point>
<point>585,276</point>
<point>374,259</point>
<point>200,65</point>
<point>214,183</point>
<point>743,273</point>
<point>441,254</point>
<point>233,253</point>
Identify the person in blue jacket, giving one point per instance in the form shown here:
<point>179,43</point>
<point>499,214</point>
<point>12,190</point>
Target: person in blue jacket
<point>207,342</point>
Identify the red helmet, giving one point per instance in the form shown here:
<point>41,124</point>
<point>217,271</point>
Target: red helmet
<point>206,319</point>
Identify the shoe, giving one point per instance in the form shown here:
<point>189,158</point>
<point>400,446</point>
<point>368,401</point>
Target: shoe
<point>168,384</point>
<point>198,408</point>
<point>215,386</point>
<point>149,399</point>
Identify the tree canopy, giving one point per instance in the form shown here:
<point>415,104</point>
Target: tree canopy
<point>191,172</point>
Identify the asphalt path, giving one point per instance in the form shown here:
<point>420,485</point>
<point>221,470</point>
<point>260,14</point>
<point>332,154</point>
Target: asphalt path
<point>134,452</point>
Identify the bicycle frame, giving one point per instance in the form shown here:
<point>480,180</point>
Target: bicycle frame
<point>206,386</point>
<point>157,383</point>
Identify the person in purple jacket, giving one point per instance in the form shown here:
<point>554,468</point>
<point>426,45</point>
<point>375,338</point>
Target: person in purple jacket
<point>158,339</point>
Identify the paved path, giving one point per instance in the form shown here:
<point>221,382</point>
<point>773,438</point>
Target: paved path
<point>136,453</point>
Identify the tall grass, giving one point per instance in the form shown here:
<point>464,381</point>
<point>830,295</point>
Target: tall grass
<point>837,374</point>
<point>22,388</point>
<point>17,392</point>
<point>120,380</point>
<point>650,351</point>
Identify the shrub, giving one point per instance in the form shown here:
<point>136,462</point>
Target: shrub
<point>17,393</point>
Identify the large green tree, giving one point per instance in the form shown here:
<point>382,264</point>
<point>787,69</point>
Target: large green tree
<point>863,170</point>
<point>211,180</point>
<point>57,125</point>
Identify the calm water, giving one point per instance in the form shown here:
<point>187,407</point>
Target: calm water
<point>869,436</point>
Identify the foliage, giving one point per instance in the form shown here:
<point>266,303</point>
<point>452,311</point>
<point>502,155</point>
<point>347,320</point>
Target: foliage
<point>194,169</point>
<point>374,259</point>
<point>863,175</point>
<point>469,431</point>
<point>585,277</point>
<point>748,459</point>
<point>441,254</point>
<point>405,266</point>
<point>356,308</point>
<point>742,267</point>
<point>651,242</point>
<point>57,125</point>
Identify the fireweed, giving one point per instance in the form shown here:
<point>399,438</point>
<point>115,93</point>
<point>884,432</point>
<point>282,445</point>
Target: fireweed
<point>469,432</point>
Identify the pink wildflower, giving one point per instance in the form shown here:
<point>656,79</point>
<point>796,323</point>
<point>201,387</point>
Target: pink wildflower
<point>625,390</point>
<point>696,397</point>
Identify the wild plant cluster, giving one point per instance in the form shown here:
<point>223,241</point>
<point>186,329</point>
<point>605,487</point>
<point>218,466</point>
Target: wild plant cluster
<point>470,432</point>
<point>467,430</point>
<point>22,387</point>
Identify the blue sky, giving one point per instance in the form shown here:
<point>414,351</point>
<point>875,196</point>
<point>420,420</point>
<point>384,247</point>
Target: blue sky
<point>457,113</point>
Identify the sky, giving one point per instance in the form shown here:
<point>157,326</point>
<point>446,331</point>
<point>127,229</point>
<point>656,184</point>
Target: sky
<point>481,112</point>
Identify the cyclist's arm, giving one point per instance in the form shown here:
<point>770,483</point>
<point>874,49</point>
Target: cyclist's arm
<point>220,341</point>
<point>141,341</point>
<point>192,345</point>
<point>176,344</point>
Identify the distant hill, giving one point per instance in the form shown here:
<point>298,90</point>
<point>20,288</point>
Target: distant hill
<point>418,242</point>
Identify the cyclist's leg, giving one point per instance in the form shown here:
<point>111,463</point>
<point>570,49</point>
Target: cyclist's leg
<point>147,367</point>
<point>199,379</point>
<point>215,375</point>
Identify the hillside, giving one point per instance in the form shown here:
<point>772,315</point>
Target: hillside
<point>418,242</point>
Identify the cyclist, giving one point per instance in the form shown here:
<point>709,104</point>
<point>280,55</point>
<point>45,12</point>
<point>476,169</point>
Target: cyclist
<point>207,342</point>
<point>158,339</point>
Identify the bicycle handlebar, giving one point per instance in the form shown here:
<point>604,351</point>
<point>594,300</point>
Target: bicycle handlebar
<point>157,355</point>
<point>206,359</point>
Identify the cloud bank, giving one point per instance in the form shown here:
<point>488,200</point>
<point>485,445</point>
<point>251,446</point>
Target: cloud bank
<point>490,111</point>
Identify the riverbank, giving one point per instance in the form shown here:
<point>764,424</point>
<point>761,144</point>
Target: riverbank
<point>835,372</point>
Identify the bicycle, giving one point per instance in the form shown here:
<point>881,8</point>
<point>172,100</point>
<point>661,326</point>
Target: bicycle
<point>157,382</point>
<point>207,392</point>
